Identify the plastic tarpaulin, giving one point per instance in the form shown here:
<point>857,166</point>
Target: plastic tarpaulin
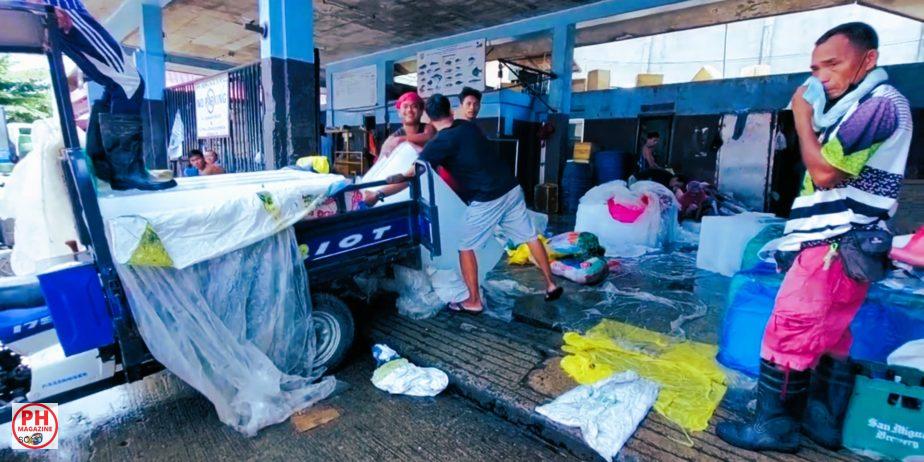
<point>36,196</point>
<point>692,385</point>
<point>630,220</point>
<point>237,327</point>
<point>209,216</point>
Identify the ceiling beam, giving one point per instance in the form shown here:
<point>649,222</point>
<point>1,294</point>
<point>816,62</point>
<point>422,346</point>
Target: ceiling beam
<point>126,19</point>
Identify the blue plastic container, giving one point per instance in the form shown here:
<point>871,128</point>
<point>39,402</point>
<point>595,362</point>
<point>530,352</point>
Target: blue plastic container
<point>610,165</point>
<point>887,320</point>
<point>74,295</point>
<point>577,179</point>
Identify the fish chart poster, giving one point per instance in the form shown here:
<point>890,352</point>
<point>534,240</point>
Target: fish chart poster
<point>446,70</point>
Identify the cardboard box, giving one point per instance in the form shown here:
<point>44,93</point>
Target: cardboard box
<point>578,85</point>
<point>598,79</point>
<point>582,151</point>
<point>647,80</point>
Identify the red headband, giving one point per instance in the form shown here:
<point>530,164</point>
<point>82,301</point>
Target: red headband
<point>411,97</point>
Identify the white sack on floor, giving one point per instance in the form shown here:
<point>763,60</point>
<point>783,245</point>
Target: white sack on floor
<point>237,328</point>
<point>399,376</point>
<point>451,213</point>
<point>35,195</point>
<point>722,240</point>
<point>654,229</point>
<point>608,412</point>
<point>910,354</point>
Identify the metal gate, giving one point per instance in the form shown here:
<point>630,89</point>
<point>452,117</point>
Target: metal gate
<point>242,151</point>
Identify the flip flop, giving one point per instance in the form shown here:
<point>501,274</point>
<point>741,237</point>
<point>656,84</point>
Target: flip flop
<point>554,295</point>
<point>458,308</point>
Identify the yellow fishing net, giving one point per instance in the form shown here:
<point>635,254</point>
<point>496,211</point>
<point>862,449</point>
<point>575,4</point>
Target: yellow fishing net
<point>692,385</point>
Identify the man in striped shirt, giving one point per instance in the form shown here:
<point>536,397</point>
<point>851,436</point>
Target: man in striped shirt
<point>854,142</point>
<point>114,136</point>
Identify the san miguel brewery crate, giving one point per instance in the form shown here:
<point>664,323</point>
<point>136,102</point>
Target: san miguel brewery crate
<point>885,416</point>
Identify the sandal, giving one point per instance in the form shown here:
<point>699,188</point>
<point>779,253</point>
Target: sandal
<point>458,308</point>
<point>554,295</point>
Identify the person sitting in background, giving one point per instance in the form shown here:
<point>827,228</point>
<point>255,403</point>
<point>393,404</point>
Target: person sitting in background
<point>211,163</point>
<point>469,104</point>
<point>646,159</point>
<point>196,163</point>
<point>410,109</point>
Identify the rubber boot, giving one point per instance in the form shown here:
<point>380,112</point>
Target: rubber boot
<point>781,398</point>
<point>829,394</point>
<point>95,151</point>
<point>122,141</point>
<point>913,252</point>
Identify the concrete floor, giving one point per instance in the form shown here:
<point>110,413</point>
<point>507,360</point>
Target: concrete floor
<point>160,418</point>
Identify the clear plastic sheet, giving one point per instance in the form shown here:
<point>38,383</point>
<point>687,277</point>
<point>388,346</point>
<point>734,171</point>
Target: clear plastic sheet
<point>237,328</point>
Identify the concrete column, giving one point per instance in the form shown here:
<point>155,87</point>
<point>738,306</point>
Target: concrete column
<point>331,117</point>
<point>290,119</point>
<point>560,99</point>
<point>384,77</point>
<point>151,65</point>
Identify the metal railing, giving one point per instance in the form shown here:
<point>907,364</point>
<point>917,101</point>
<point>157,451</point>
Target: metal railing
<point>242,150</point>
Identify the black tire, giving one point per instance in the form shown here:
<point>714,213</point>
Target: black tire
<point>334,328</point>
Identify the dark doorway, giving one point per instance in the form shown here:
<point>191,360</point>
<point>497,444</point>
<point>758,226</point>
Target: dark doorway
<point>662,125</point>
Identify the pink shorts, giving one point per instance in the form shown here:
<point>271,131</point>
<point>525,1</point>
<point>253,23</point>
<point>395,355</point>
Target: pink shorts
<point>813,311</point>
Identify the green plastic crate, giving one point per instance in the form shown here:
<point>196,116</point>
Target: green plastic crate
<point>885,415</point>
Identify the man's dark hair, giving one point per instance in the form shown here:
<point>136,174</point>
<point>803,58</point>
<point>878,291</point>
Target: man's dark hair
<point>860,35</point>
<point>196,152</point>
<point>438,107</point>
<point>653,135</point>
<point>469,91</point>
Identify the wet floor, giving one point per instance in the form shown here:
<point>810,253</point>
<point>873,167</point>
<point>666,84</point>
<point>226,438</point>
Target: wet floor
<point>662,291</point>
<point>160,418</point>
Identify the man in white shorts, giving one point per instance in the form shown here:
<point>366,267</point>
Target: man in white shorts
<point>493,196</point>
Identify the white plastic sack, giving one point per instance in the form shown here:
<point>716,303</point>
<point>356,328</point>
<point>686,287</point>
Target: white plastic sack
<point>237,328</point>
<point>655,229</point>
<point>910,354</point>
<point>36,196</point>
<point>722,240</point>
<point>208,216</point>
<point>608,411</point>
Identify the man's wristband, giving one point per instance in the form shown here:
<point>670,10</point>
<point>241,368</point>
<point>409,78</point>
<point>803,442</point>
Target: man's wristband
<point>380,196</point>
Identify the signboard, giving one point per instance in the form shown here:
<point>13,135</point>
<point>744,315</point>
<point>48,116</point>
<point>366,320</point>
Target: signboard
<point>446,70</point>
<point>355,88</point>
<point>212,119</point>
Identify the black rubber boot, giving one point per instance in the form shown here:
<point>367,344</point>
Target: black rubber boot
<point>829,394</point>
<point>95,151</point>
<point>780,402</point>
<point>122,140</point>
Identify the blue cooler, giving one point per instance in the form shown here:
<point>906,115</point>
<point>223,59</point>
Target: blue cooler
<point>74,295</point>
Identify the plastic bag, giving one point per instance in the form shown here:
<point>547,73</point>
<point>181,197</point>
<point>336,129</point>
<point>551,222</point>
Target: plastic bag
<point>630,221</point>
<point>575,245</point>
<point>723,240</point>
<point>521,254</point>
<point>237,328</point>
<point>590,271</point>
<point>416,297</point>
<point>692,385</point>
<point>910,354</point>
<point>35,195</point>
<point>398,376</point>
<point>608,411</point>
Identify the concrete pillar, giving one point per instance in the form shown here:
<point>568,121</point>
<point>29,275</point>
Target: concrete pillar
<point>560,100</point>
<point>384,78</point>
<point>288,68</point>
<point>151,65</point>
